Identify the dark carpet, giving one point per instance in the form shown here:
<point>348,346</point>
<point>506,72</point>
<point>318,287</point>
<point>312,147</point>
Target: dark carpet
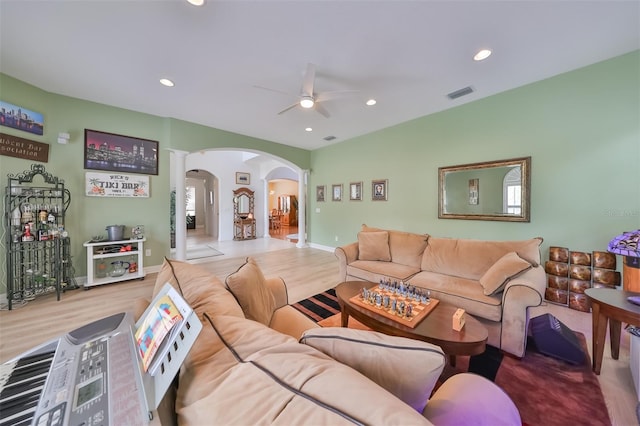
<point>547,391</point>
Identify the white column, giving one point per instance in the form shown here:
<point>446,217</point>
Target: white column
<point>181,206</point>
<point>265,210</point>
<point>302,208</point>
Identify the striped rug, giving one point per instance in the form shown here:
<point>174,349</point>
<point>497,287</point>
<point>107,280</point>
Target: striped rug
<point>320,306</point>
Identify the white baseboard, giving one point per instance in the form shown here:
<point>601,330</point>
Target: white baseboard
<point>321,247</point>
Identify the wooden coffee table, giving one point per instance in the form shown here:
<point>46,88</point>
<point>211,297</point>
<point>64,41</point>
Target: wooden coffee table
<point>435,328</point>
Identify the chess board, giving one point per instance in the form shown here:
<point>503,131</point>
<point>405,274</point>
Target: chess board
<point>419,310</point>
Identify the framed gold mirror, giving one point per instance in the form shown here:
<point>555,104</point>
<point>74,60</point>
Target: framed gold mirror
<point>492,190</point>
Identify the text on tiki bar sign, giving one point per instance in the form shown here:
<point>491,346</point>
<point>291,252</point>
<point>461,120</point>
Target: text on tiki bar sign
<point>14,146</point>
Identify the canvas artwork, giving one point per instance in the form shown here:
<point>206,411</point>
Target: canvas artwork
<point>21,118</point>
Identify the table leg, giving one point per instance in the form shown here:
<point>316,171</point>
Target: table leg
<point>599,331</point>
<point>344,318</point>
<point>614,334</point>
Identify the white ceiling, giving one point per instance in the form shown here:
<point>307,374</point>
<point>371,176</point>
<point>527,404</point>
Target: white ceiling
<point>406,54</point>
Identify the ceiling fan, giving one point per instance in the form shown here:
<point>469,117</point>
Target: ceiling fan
<point>308,98</point>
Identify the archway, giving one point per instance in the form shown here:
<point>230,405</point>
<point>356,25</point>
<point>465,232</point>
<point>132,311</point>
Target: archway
<point>226,164</point>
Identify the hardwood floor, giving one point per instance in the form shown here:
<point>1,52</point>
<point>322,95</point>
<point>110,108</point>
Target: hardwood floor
<point>306,271</point>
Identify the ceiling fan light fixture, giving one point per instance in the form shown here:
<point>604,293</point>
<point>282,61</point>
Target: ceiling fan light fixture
<point>167,82</point>
<point>482,55</point>
<point>371,102</point>
<point>306,102</point>
<point>196,2</point>
<point>308,129</point>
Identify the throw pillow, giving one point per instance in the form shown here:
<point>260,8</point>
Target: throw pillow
<point>248,287</point>
<point>374,245</point>
<point>507,267</point>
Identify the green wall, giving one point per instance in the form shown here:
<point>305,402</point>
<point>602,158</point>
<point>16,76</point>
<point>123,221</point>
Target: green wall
<point>582,130</point>
<point>88,216</point>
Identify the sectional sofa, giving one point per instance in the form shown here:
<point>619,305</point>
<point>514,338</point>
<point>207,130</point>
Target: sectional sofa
<point>259,361</point>
<point>495,281</point>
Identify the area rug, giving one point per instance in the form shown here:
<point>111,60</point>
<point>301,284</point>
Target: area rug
<point>320,306</point>
<point>199,252</point>
<point>546,390</point>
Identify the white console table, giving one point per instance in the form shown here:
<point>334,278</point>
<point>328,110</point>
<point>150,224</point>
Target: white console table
<point>101,255</point>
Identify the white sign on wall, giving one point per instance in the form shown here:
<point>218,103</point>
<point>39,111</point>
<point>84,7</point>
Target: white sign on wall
<point>116,185</point>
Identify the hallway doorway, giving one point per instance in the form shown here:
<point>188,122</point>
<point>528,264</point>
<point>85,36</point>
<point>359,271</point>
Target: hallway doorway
<point>202,207</point>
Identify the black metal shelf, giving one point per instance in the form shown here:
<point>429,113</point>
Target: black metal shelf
<point>38,260</point>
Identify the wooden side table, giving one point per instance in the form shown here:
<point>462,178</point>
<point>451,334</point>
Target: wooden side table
<point>610,306</point>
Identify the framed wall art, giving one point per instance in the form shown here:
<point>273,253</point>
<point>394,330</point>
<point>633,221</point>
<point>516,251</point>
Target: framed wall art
<point>110,185</point>
<point>243,178</point>
<point>119,153</point>
<point>355,191</point>
<point>379,189</point>
<point>336,192</point>
<point>320,192</point>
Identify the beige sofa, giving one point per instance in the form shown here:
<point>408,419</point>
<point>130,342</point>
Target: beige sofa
<point>495,281</point>
<point>259,361</point>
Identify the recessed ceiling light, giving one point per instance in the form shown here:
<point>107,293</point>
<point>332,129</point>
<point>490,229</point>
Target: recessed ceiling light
<point>308,129</point>
<point>166,82</point>
<point>482,54</point>
<point>371,102</point>
<point>196,2</point>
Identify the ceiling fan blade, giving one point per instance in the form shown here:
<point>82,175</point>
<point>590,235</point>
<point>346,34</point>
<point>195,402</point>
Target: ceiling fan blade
<point>276,91</point>
<point>326,96</point>
<point>309,77</point>
<point>321,110</point>
<point>288,108</point>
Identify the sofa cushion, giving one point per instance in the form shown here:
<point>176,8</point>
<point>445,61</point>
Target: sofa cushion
<point>203,291</point>
<point>374,246</point>
<point>248,286</point>
<point>406,248</point>
<point>472,258</point>
<point>461,292</point>
<point>384,359</point>
<point>507,267</point>
<point>241,372</point>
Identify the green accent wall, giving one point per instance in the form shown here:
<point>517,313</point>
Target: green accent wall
<point>581,128</point>
<point>88,216</point>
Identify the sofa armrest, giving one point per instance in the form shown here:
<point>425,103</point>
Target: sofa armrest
<point>346,255</point>
<point>520,293</point>
<point>288,320</point>
<point>405,367</point>
<point>466,399</point>
<point>279,290</point>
